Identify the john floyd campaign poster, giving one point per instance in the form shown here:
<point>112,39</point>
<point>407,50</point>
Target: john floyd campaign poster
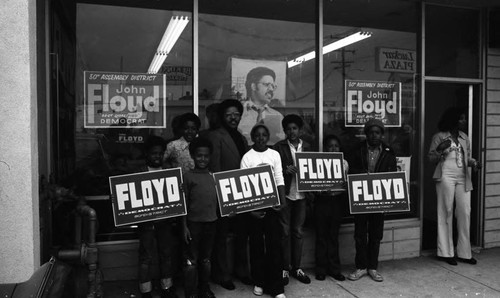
<point>365,100</point>
<point>378,192</point>
<point>116,100</point>
<point>246,190</point>
<point>319,171</point>
<point>147,196</point>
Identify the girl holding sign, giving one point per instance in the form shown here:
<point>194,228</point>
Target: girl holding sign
<point>328,212</point>
<point>266,264</point>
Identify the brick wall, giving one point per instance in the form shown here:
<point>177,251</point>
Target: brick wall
<point>118,260</point>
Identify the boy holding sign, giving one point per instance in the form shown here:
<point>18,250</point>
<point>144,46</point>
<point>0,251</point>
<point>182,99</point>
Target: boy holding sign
<point>371,156</point>
<point>199,225</point>
<point>328,212</point>
<point>265,234</point>
<point>161,232</point>
<point>293,213</point>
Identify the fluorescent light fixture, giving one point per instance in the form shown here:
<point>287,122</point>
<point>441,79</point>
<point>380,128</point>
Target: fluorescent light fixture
<point>360,35</point>
<point>174,30</point>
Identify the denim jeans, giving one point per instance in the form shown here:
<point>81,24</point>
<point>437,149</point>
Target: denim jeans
<point>292,218</point>
<point>197,256</point>
<point>161,232</point>
<point>221,268</point>
<point>328,212</point>
<point>368,232</point>
<point>265,252</point>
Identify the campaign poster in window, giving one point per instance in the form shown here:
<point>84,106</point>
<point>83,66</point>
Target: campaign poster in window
<point>147,196</point>
<point>245,190</point>
<point>365,100</point>
<point>260,85</point>
<point>117,100</point>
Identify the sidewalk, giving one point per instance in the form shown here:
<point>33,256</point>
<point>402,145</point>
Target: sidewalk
<point>416,277</point>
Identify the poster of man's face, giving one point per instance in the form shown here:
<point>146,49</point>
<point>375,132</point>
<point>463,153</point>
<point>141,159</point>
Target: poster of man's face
<point>260,85</point>
<point>261,81</point>
<point>262,91</point>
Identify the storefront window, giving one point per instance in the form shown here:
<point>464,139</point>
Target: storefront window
<point>123,94</point>
<point>244,56</point>
<point>452,50</point>
<point>381,63</point>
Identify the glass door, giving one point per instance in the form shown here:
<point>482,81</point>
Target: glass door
<point>440,96</point>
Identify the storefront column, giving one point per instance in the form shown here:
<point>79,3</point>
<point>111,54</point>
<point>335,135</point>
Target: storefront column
<point>19,219</point>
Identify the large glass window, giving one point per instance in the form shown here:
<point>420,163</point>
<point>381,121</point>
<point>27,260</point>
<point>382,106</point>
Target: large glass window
<point>244,55</point>
<point>125,92</point>
<point>384,61</point>
<point>452,42</point>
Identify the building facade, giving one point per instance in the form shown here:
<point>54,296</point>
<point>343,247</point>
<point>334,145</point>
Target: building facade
<point>59,139</point>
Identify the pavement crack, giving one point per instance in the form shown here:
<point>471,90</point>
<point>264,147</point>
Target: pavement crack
<point>467,277</point>
<point>345,289</point>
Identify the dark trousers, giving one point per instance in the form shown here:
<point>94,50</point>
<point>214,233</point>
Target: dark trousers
<point>197,256</point>
<point>328,212</point>
<point>161,232</point>
<point>292,218</point>
<point>265,252</point>
<point>221,270</point>
<point>242,233</point>
<point>368,232</point>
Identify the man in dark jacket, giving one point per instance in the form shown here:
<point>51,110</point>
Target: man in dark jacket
<point>371,156</point>
<point>228,148</point>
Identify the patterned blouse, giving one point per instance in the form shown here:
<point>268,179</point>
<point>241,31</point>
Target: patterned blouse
<point>177,155</point>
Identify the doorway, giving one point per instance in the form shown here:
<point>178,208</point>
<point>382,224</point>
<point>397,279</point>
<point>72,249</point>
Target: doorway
<point>438,97</point>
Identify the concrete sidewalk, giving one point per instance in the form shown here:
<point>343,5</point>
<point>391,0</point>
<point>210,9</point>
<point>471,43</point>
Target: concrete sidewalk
<point>416,277</point>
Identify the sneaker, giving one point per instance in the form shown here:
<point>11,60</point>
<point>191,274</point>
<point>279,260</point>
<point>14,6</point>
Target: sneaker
<point>258,291</point>
<point>357,274</point>
<point>286,277</point>
<point>320,276</point>
<point>280,296</point>
<point>375,275</point>
<point>168,293</point>
<point>301,276</point>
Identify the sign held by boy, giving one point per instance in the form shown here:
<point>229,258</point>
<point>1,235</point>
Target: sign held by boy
<point>378,192</point>
<point>147,196</point>
<point>244,190</point>
<point>320,171</point>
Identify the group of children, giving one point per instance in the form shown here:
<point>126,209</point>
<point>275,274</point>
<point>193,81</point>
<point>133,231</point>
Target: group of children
<point>276,234</point>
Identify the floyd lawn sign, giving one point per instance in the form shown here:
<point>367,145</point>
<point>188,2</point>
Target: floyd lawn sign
<point>244,190</point>
<point>319,171</point>
<point>378,192</point>
<point>147,196</point>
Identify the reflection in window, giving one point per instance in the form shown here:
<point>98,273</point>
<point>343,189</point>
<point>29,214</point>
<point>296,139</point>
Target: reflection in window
<point>453,50</point>
<point>123,40</point>
<point>389,55</point>
<point>246,59</point>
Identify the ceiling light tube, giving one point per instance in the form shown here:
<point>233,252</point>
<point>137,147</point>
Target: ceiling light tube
<point>331,47</point>
<point>172,33</point>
